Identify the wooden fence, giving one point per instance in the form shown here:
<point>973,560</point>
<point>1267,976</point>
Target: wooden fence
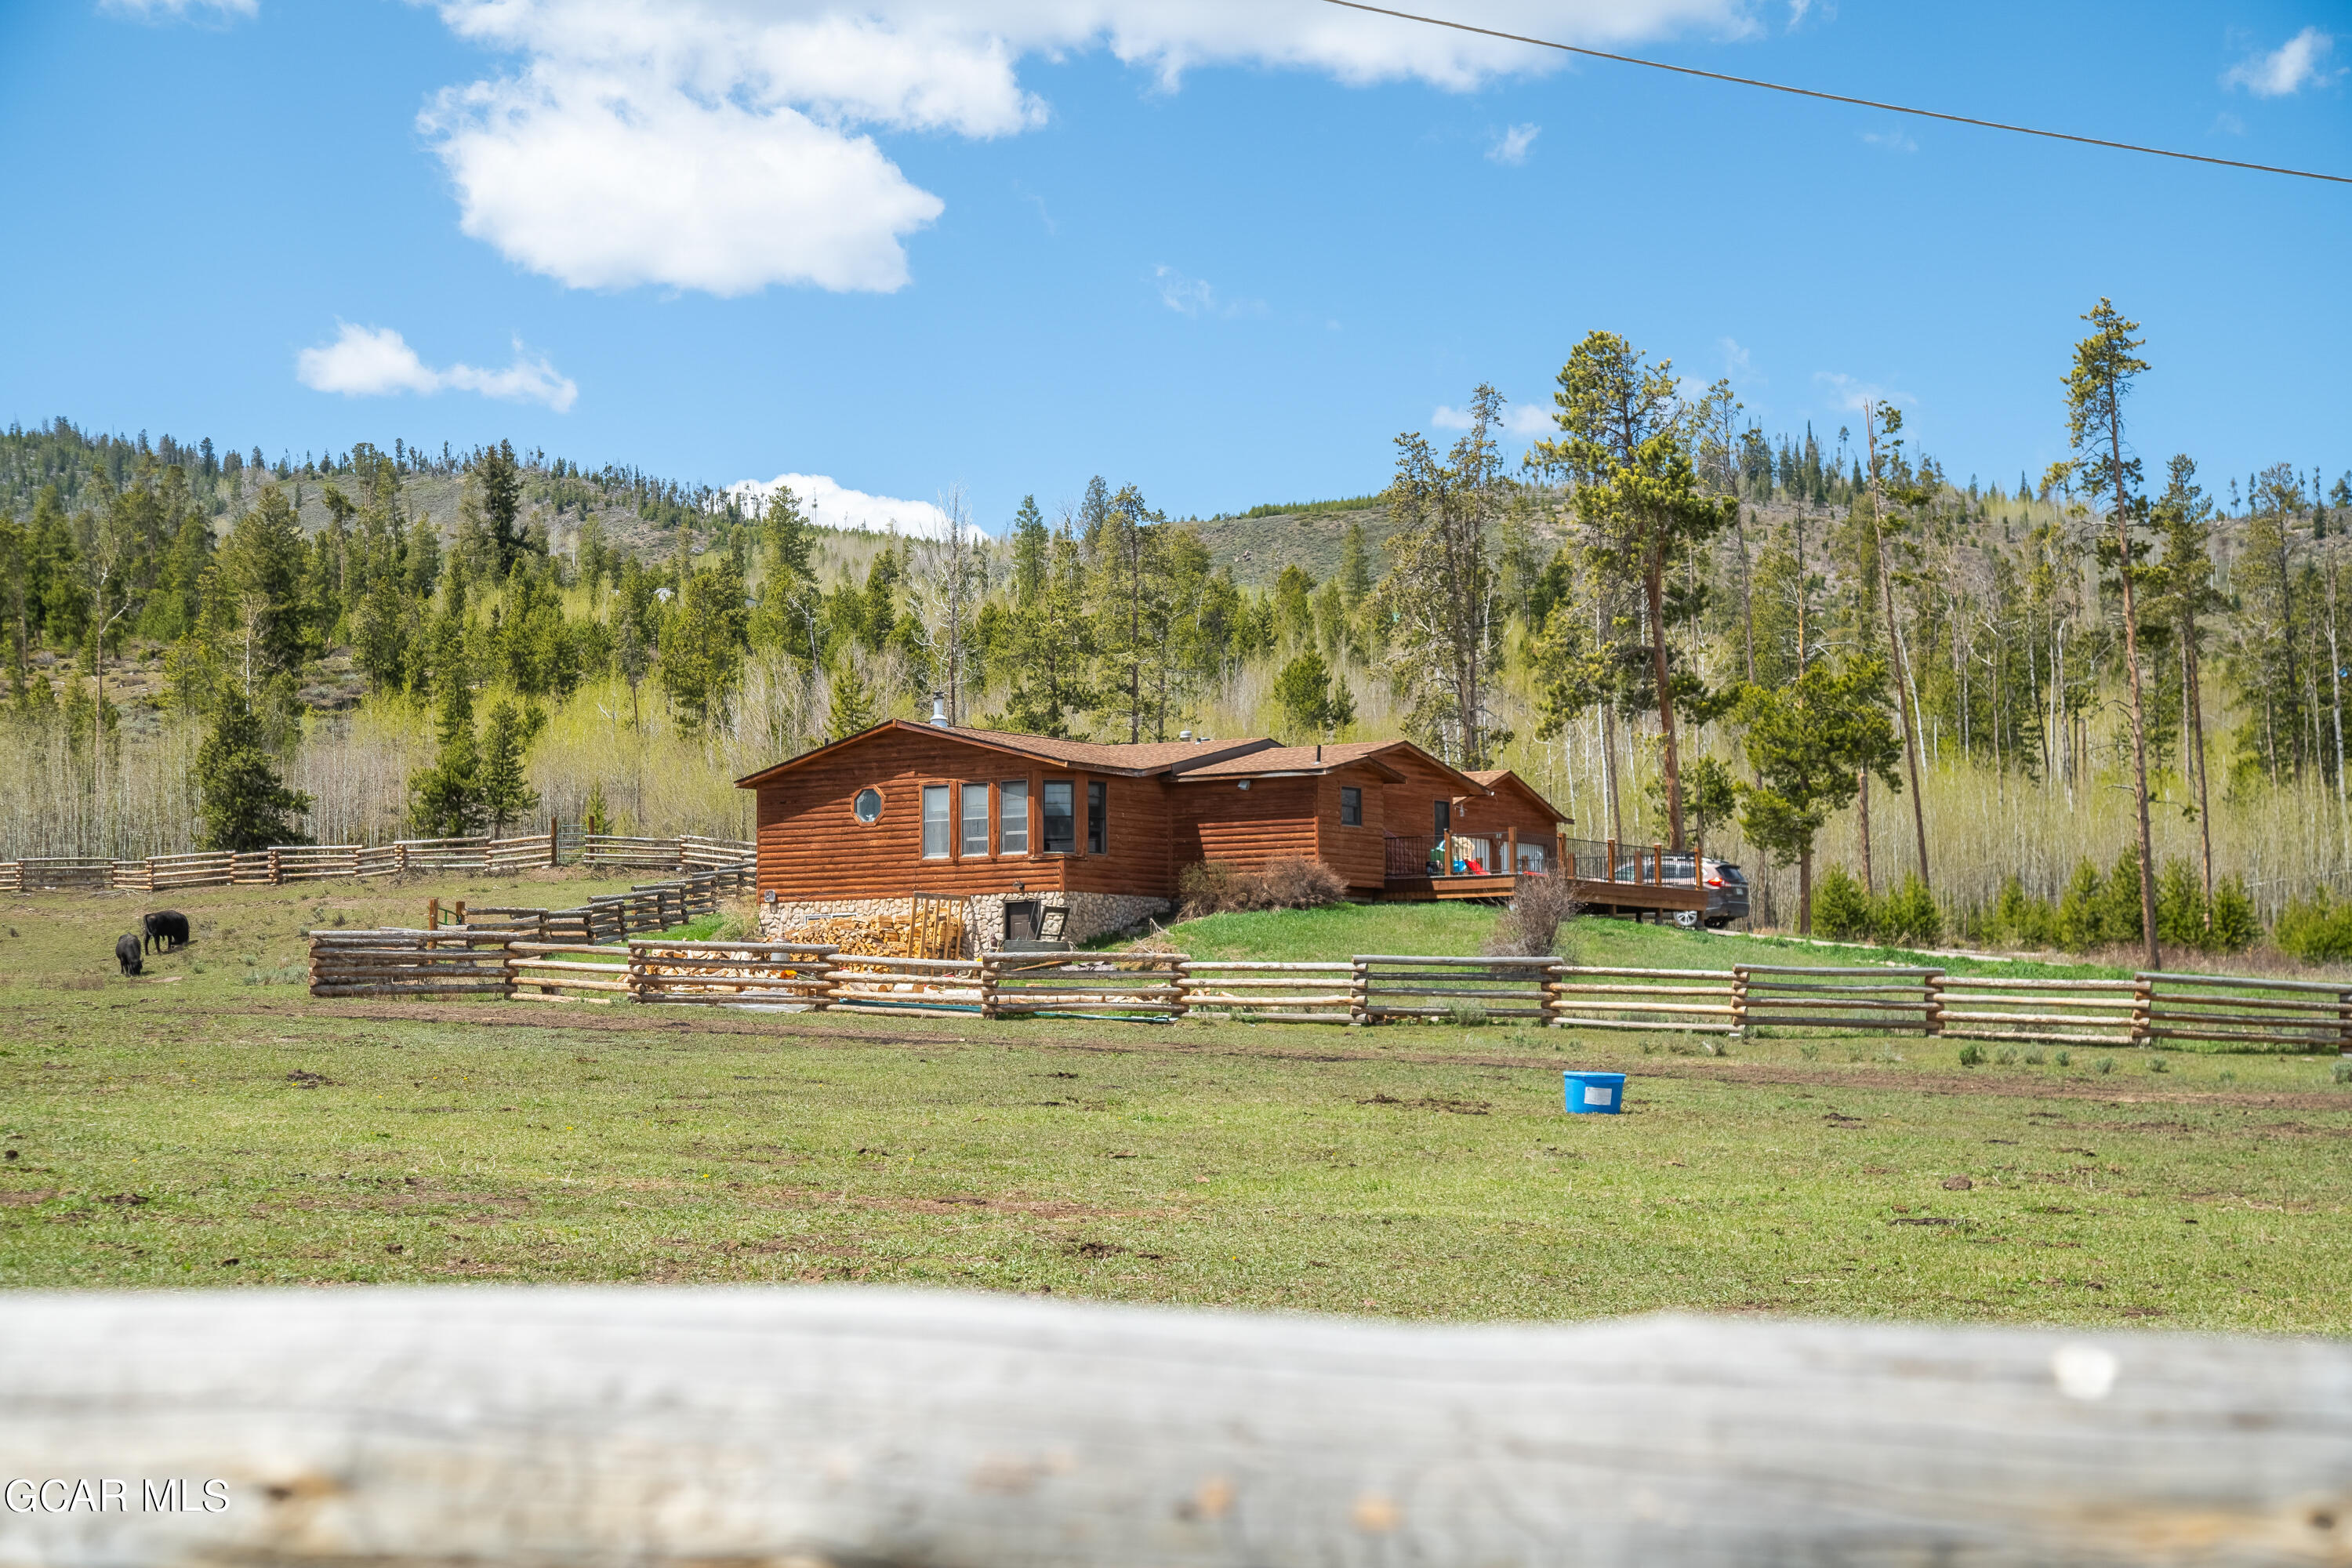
<point>284,863</point>
<point>591,1427</point>
<point>2149,1009</point>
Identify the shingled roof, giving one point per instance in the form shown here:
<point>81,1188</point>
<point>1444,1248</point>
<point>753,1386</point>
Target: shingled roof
<point>1136,760</point>
<point>1296,759</point>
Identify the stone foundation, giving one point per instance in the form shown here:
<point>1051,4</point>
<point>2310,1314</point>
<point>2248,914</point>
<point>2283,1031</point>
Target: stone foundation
<point>1089,916</point>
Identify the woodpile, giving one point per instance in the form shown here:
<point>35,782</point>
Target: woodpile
<point>933,932</point>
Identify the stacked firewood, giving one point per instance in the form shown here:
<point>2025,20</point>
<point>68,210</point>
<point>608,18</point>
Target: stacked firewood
<point>885,935</point>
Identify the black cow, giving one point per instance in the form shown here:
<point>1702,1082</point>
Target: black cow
<point>127,951</point>
<point>166,929</point>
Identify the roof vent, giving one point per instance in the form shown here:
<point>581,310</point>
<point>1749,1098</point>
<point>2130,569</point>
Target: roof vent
<point>1183,735</point>
<point>939,710</point>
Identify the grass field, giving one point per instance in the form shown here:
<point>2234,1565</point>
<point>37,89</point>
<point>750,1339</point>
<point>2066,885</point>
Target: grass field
<point>211,1124</point>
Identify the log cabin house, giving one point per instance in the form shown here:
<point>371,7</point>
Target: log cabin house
<point>1042,836</point>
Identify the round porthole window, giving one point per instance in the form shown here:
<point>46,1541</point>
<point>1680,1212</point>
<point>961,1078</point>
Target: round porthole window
<point>868,806</point>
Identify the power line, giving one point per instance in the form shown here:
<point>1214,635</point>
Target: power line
<point>1838,97</point>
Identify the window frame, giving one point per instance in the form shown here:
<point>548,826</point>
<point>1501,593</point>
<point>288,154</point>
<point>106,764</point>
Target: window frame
<point>1028,817</point>
<point>946,794</point>
<point>1097,816</point>
<point>965,851</point>
<point>1351,805</point>
<point>1045,816</point>
<point>881,805</point>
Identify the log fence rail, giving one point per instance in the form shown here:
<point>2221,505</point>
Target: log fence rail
<point>561,844</point>
<point>558,953</point>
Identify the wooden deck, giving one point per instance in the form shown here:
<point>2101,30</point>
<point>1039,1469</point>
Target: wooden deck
<point>1601,897</point>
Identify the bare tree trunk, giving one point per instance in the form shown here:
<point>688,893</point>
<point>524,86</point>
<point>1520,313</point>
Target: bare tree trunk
<point>1861,809</point>
<point>1805,892</point>
<point>1654,584</point>
<point>1904,693</point>
<point>2138,720</point>
<point>2204,809</point>
<point>1747,599</point>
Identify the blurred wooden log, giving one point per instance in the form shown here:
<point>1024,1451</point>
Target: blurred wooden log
<point>629,1428</point>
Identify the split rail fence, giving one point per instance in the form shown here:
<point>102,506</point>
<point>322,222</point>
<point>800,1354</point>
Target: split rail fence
<point>571,1427</point>
<point>560,845</point>
<point>548,962</point>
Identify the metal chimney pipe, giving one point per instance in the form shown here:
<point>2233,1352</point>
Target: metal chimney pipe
<point>940,710</point>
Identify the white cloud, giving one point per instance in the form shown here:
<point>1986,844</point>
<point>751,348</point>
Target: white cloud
<point>1519,419</point>
<point>180,10</point>
<point>1511,146</point>
<point>1852,395</point>
<point>721,144</point>
<point>2300,62</point>
<point>1893,140</point>
<point>823,501</point>
<point>1736,359</point>
<point>1195,296</point>
<point>376,361</point>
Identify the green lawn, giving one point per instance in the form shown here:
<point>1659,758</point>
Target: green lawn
<point>1342,931</point>
<point>205,1129</point>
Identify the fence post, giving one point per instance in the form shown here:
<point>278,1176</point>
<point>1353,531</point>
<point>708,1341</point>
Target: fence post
<point>2143,1007</point>
<point>1740,1000</point>
<point>1934,1002</point>
<point>432,914</point>
<point>990,964</point>
<point>1359,990</point>
<point>507,952</point>
<point>1555,1001</point>
<point>1657,865</point>
<point>1180,970</point>
<point>2344,1023</point>
<point>403,858</point>
<point>461,912</point>
<point>551,826</point>
<point>276,875</point>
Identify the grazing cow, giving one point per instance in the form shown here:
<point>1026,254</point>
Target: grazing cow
<point>166,929</point>
<point>127,951</point>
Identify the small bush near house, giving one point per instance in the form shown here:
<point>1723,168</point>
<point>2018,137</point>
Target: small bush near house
<point>1529,927</point>
<point>1293,882</point>
<point>1841,911</point>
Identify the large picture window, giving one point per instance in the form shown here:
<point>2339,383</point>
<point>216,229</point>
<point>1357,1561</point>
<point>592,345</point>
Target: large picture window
<point>1013,817</point>
<point>975,820</point>
<point>1061,818</point>
<point>1097,816</point>
<point>937,824</point>
<point>1351,807</point>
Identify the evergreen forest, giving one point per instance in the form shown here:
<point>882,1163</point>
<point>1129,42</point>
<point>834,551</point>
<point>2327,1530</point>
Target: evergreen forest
<point>2099,705</point>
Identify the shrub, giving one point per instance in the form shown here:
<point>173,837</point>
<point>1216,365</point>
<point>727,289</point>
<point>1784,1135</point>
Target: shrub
<point>2236,926</point>
<point>1529,927</point>
<point>1292,882</point>
<point>2180,906</point>
<point>2317,932</point>
<point>1970,1054</point>
<point>1841,911</point>
<point>2119,912</point>
<point>1908,915</point>
<point>2081,924</point>
<point>2342,1072</point>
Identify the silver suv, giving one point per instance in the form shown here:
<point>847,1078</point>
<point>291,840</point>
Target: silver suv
<point>1726,888</point>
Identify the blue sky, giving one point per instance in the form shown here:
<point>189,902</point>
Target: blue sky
<point>1225,250</point>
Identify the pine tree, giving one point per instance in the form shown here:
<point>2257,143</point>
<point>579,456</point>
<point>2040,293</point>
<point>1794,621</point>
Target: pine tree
<point>853,708</point>
<point>1316,706</point>
<point>446,799</point>
<point>1031,552</point>
<point>246,804</point>
<point>1810,744</point>
<point>505,795</point>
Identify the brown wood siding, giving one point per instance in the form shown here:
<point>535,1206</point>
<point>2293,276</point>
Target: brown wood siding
<point>1245,828</point>
<point>1359,854</point>
<point>811,848</point>
<point>1407,804</point>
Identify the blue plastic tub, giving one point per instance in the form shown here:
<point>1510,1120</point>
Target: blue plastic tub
<point>1594,1093</point>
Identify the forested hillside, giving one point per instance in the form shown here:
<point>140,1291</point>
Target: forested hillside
<point>1818,652</point>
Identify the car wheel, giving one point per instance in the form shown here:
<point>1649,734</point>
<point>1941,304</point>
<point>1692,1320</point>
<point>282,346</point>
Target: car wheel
<point>1686,918</point>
